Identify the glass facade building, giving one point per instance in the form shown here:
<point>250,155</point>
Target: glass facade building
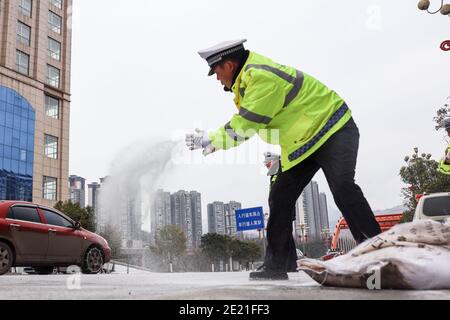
<point>35,67</point>
<point>17,124</point>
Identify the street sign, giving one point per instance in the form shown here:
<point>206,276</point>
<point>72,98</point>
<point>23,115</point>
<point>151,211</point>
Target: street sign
<point>250,219</point>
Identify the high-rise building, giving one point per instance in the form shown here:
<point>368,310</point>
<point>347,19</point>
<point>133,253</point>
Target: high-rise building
<point>131,221</point>
<point>312,220</point>
<point>93,193</point>
<point>301,223</point>
<point>230,219</point>
<point>222,218</point>
<point>183,209</point>
<point>101,214</point>
<point>35,60</point>
<point>161,213</point>
<point>317,216</point>
<point>308,209</point>
<point>216,217</point>
<point>77,190</point>
<point>187,215</point>
<point>324,219</point>
<point>197,225</point>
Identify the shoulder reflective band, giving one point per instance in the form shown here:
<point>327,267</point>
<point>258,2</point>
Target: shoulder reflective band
<point>233,135</point>
<point>253,117</point>
<point>297,81</point>
<point>298,84</point>
<point>330,124</point>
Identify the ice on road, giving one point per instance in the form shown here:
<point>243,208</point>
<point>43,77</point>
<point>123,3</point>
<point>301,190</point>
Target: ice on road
<point>186,286</point>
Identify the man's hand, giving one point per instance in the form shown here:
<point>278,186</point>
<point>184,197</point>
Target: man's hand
<point>200,140</point>
<point>197,140</point>
<point>272,162</point>
<point>270,156</point>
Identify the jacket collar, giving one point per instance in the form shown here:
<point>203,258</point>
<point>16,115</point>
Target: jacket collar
<point>238,77</point>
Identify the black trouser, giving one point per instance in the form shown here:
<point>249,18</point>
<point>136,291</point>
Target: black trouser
<point>337,158</point>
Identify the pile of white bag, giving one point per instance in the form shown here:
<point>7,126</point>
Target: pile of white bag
<point>409,256</point>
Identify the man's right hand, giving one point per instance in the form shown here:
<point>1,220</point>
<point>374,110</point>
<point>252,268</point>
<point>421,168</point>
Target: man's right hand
<point>197,140</point>
<point>200,140</point>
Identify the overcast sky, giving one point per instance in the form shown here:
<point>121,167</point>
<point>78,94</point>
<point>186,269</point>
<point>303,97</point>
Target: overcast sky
<point>136,76</point>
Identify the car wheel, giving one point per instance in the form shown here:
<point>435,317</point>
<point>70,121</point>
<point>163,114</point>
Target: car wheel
<point>93,261</point>
<point>6,258</point>
<point>44,270</point>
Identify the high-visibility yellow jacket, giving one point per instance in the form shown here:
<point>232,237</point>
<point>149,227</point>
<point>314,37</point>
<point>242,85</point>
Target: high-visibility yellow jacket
<point>443,167</point>
<point>283,106</point>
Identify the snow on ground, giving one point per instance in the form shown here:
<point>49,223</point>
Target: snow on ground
<point>186,286</point>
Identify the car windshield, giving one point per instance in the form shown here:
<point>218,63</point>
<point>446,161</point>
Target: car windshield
<point>437,206</point>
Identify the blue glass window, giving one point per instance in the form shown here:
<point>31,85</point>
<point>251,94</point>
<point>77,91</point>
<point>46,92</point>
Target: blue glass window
<point>17,125</point>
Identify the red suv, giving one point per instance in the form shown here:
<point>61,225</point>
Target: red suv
<point>43,238</point>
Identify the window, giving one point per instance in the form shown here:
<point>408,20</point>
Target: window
<point>51,146</point>
<point>55,219</point>
<point>25,7</point>
<point>17,124</point>
<point>54,22</point>
<point>437,206</point>
<point>53,76</point>
<point>54,49</point>
<point>26,214</point>
<point>49,187</point>
<point>51,107</point>
<point>22,62</point>
<point>23,33</point>
<point>57,3</point>
<point>10,214</point>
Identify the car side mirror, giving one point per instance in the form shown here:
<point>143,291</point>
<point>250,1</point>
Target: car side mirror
<point>77,225</point>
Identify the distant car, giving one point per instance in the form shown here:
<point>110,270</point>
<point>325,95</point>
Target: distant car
<point>434,206</point>
<point>43,238</point>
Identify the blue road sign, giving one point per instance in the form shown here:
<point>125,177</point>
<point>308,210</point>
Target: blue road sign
<point>250,219</point>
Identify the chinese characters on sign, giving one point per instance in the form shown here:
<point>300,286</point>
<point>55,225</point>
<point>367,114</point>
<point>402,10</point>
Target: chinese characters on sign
<point>250,219</point>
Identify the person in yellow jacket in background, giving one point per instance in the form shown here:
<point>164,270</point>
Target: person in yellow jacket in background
<point>444,165</point>
<point>315,129</point>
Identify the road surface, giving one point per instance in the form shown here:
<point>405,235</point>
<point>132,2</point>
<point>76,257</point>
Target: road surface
<point>187,286</point>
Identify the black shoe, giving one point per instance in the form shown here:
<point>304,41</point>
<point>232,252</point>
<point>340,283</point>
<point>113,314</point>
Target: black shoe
<point>264,273</point>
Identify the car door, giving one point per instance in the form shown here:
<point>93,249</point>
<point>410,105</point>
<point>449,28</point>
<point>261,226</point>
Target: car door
<point>65,242</point>
<point>29,234</point>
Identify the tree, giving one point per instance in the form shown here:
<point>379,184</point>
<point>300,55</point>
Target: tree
<point>85,216</point>
<point>216,247</point>
<point>422,176</point>
<point>441,114</point>
<point>245,251</point>
<point>170,244</point>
